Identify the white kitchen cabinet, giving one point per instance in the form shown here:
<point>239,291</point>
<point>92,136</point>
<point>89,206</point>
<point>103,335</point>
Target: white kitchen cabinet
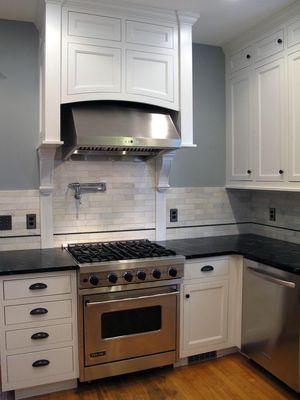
<point>110,55</point>
<point>239,92</point>
<point>150,74</point>
<point>210,315</point>
<point>294,115</point>
<point>270,45</point>
<point>205,315</point>
<point>241,59</point>
<point>39,350</point>
<point>93,69</point>
<point>270,123</point>
<point>273,145</point>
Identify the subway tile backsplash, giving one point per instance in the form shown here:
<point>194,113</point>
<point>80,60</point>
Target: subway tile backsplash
<point>127,209</point>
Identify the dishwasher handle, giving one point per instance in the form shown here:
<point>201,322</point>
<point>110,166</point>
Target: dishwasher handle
<point>271,278</point>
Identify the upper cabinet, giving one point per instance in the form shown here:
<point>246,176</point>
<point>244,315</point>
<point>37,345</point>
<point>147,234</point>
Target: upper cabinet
<point>99,51</point>
<point>262,107</point>
<point>119,57</point>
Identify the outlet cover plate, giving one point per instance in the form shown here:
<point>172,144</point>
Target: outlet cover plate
<point>5,223</point>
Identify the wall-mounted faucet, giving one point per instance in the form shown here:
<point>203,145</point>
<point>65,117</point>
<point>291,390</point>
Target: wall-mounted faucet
<point>80,188</point>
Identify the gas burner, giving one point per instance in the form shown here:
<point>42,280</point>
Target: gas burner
<point>115,251</point>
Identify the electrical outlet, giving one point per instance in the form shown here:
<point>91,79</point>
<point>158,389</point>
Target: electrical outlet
<point>31,221</point>
<point>5,223</point>
<point>173,215</point>
<point>272,214</point>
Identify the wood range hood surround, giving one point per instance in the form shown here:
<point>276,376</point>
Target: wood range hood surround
<point>146,56</point>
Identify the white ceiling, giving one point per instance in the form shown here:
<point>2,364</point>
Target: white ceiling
<point>220,21</point>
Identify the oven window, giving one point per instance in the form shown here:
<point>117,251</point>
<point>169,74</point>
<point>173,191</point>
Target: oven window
<point>130,322</point>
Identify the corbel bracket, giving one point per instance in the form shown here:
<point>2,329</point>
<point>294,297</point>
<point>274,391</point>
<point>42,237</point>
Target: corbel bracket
<point>163,169</point>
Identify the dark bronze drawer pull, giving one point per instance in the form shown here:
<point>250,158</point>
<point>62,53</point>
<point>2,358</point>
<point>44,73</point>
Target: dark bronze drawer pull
<point>40,335</point>
<point>207,268</point>
<point>38,286</point>
<point>38,311</point>
<point>40,363</point>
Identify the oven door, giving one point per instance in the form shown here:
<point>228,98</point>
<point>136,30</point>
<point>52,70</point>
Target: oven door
<point>128,324</point>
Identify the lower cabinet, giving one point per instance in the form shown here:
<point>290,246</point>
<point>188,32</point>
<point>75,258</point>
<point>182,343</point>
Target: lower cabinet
<point>38,332</point>
<point>211,305</point>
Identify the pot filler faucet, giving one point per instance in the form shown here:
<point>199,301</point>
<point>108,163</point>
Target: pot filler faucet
<point>80,188</point>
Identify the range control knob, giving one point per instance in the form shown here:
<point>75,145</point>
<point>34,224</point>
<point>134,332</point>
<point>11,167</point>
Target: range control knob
<point>94,280</point>
<point>112,278</point>
<point>128,276</point>
<point>141,275</point>
<point>156,273</point>
<point>173,272</point>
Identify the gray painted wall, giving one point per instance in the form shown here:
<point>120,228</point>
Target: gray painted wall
<point>205,165</point>
<point>18,105</point>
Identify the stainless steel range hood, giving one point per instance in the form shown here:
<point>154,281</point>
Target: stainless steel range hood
<point>97,130</point>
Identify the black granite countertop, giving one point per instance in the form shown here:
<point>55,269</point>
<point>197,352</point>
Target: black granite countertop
<point>276,253</point>
<point>30,261</point>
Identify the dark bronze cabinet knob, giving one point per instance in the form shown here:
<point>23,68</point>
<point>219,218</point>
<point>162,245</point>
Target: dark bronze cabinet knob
<point>280,171</point>
<point>279,41</point>
<point>249,171</point>
<point>248,56</point>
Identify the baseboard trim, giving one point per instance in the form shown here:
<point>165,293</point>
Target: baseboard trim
<point>45,389</point>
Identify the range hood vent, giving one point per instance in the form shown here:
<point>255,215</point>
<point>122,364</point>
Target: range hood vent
<point>116,130</point>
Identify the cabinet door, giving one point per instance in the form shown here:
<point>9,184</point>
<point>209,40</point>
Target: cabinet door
<point>205,317</point>
<point>150,74</point>
<point>270,120</point>
<point>294,116</point>
<point>93,69</point>
<point>239,127</point>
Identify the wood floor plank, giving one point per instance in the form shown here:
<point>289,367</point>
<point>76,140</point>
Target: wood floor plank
<point>229,378</point>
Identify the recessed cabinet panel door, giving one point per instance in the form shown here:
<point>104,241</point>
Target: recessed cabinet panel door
<point>240,60</point>
<point>93,69</point>
<point>270,123</point>
<point>94,26</point>
<point>150,74</point>
<point>294,116</point>
<point>149,34</point>
<point>239,104</point>
<point>294,33</point>
<point>205,316</point>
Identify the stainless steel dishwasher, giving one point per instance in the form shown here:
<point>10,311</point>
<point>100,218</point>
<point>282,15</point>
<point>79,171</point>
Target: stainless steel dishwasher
<point>270,320</point>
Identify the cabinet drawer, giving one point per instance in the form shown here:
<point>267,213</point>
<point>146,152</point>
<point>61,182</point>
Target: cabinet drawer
<point>206,269</point>
<point>51,310</point>
<point>20,367</point>
<point>37,287</point>
<point>149,34</point>
<point>270,45</point>
<point>35,337</point>
<point>240,60</point>
<point>294,33</point>
<point>94,26</point>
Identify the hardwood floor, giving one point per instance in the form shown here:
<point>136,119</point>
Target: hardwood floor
<point>229,378</point>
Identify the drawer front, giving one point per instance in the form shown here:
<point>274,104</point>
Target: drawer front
<point>94,26</point>
<point>37,312</point>
<point>240,60</point>
<point>20,367</point>
<point>294,33</point>
<point>206,269</point>
<point>35,337</point>
<point>36,287</point>
<point>269,46</point>
<point>149,34</point>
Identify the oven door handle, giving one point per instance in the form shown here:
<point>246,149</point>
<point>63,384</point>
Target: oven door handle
<point>95,303</point>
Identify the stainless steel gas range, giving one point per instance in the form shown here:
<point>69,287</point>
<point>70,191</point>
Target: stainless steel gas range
<point>128,306</point>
